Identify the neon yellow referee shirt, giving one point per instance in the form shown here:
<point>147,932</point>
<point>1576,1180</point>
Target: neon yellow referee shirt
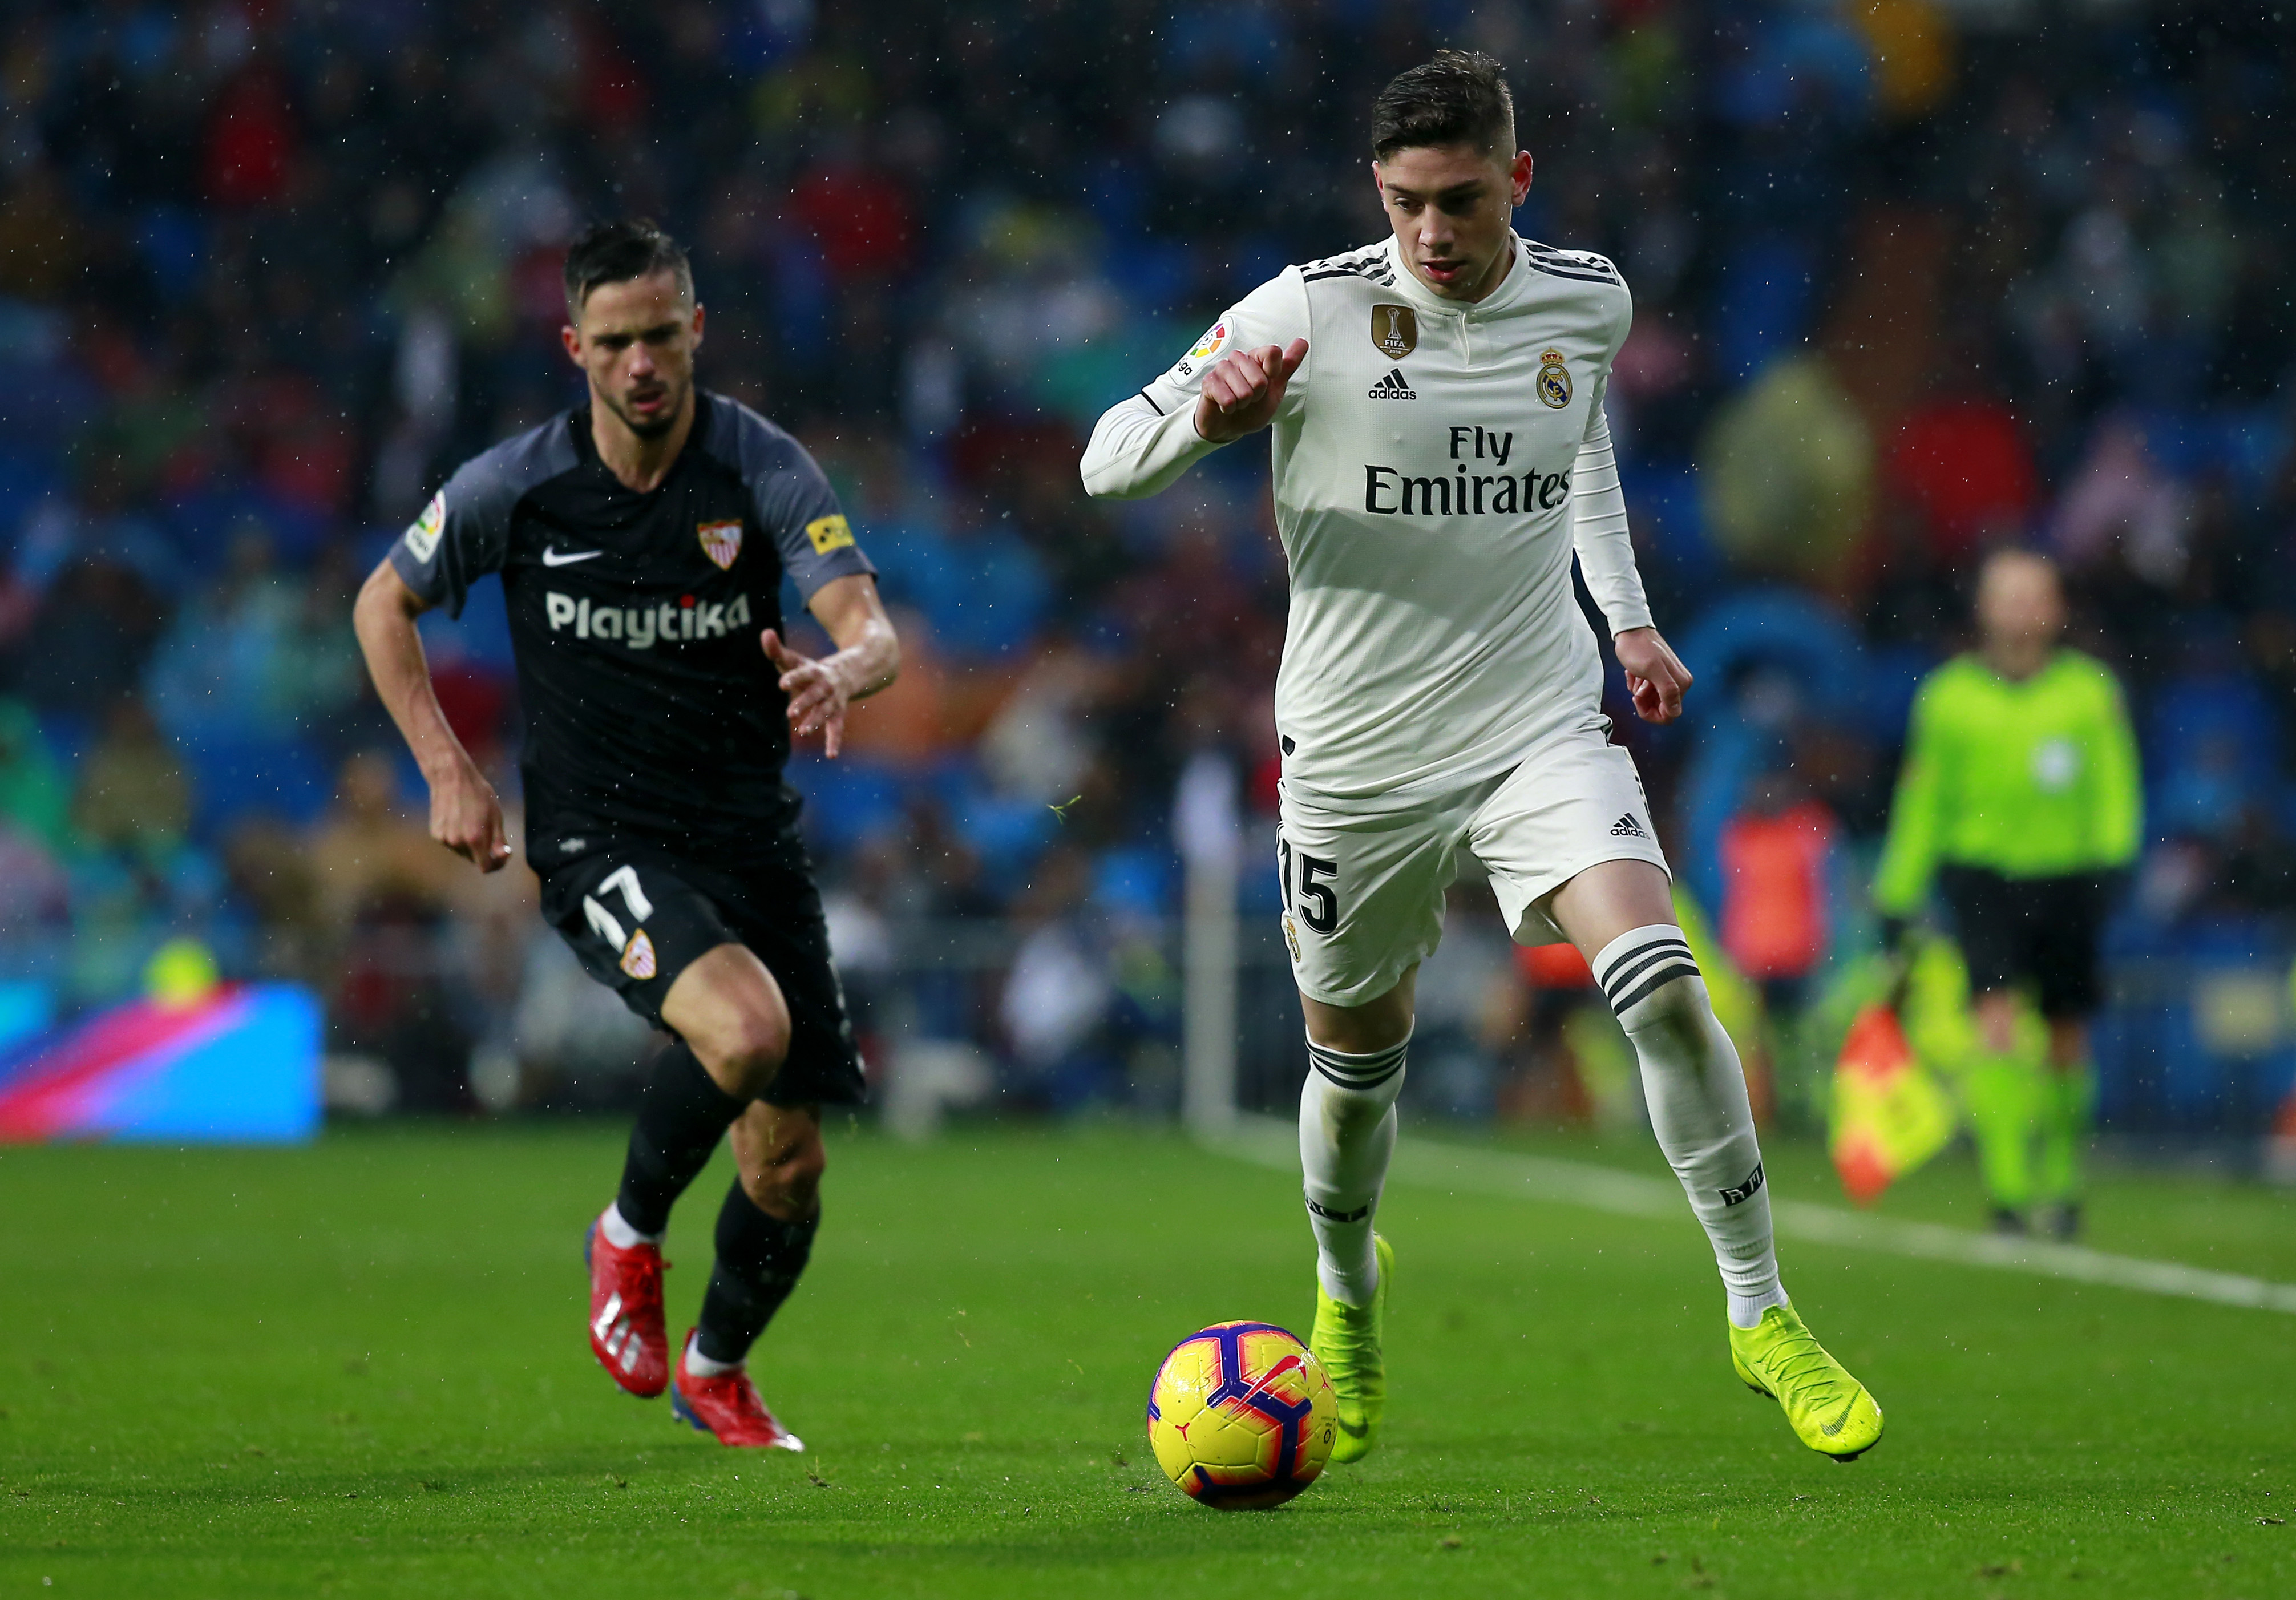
<point>2034,779</point>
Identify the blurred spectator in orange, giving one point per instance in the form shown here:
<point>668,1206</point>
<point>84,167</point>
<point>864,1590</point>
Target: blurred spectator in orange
<point>369,851</point>
<point>1776,866</point>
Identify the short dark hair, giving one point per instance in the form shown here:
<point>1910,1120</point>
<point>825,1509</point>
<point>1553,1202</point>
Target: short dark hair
<point>1458,98</point>
<point>615,252</point>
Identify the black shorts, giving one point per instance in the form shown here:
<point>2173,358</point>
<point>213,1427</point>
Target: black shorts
<point>638,914</point>
<point>2045,930</point>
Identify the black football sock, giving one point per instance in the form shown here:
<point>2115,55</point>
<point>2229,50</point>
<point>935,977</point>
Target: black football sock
<point>680,1117</point>
<point>759,1260</point>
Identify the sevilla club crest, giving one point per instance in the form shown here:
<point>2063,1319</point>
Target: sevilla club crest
<point>721,542</point>
<point>637,956</point>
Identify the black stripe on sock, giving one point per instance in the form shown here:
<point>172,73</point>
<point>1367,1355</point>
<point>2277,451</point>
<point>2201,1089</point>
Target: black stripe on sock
<point>1340,1058</point>
<point>1328,1215</point>
<point>1358,1071</point>
<point>1611,974</point>
<point>1656,981</point>
<point>1370,1080</point>
<point>1640,959</point>
<point>1358,1083</point>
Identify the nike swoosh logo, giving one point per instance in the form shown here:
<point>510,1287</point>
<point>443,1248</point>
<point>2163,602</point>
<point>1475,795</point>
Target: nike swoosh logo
<point>1841,1422</point>
<point>1355,1430</point>
<point>566,558</point>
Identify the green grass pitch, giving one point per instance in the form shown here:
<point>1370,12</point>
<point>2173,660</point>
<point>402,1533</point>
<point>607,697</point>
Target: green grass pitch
<point>359,1369</point>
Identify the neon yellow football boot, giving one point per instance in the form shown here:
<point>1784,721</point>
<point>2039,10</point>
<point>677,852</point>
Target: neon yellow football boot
<point>1346,1340</point>
<point>1829,1410</point>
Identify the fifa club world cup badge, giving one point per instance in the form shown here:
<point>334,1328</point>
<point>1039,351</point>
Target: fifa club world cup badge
<point>1395,329</point>
<point>721,542</point>
<point>1553,379</point>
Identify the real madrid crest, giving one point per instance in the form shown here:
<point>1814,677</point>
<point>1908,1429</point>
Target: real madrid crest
<point>1553,379</point>
<point>1395,329</point>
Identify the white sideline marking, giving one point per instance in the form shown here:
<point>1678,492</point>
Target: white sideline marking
<point>1271,1142</point>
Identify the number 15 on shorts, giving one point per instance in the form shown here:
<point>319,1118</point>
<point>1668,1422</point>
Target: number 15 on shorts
<point>1309,885</point>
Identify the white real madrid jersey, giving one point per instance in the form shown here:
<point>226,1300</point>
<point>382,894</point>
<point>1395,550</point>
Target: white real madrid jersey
<point>1435,464</point>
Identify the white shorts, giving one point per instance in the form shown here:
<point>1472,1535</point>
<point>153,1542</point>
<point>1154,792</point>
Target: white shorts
<point>1363,894</point>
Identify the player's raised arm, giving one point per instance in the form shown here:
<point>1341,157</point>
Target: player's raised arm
<point>868,657</point>
<point>1239,376</point>
<point>792,497</point>
<point>465,813</point>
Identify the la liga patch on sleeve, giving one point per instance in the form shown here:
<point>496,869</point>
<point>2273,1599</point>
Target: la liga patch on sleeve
<point>423,537</point>
<point>1204,352</point>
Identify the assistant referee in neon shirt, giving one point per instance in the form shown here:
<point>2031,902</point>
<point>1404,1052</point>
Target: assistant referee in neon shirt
<point>2020,800</point>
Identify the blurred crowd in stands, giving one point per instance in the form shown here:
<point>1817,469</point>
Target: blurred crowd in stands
<point>1913,277</point>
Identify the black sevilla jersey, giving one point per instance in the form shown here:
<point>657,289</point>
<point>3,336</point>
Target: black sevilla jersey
<point>651,708</point>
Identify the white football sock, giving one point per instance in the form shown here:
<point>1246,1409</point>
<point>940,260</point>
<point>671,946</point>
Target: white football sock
<point>702,1366</point>
<point>1347,1133</point>
<point>620,1234</point>
<point>1696,1090</point>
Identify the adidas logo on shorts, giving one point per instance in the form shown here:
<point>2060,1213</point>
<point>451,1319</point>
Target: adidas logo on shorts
<point>1395,385</point>
<point>1627,827</point>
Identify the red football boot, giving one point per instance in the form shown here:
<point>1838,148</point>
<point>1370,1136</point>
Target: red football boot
<point>728,1406</point>
<point>625,1328</point>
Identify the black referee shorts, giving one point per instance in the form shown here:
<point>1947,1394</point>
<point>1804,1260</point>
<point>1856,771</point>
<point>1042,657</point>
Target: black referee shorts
<point>638,914</point>
<point>2045,930</point>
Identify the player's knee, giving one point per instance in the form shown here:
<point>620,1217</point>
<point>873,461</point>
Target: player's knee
<point>787,1183</point>
<point>751,1048</point>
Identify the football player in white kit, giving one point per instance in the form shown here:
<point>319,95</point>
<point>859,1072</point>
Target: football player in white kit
<point>1440,453</point>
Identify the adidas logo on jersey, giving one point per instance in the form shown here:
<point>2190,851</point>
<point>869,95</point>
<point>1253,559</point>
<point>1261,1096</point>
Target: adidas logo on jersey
<point>1627,827</point>
<point>1395,385</point>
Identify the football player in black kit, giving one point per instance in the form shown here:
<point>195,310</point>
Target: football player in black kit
<point>641,541</point>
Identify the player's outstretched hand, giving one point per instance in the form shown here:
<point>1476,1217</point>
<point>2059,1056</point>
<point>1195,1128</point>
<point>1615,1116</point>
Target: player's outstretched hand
<point>1655,675</point>
<point>817,694</point>
<point>466,817</point>
<point>1242,391</point>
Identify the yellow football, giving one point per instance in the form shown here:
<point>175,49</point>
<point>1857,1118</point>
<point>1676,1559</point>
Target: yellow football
<point>1241,1415</point>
